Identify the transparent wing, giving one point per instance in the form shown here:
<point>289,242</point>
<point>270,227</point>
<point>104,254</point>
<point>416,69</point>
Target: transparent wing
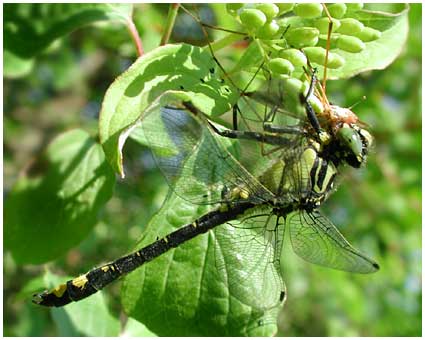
<point>196,165</point>
<point>315,239</point>
<point>247,256</point>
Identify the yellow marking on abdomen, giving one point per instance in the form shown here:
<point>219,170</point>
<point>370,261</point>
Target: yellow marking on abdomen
<point>59,290</point>
<point>80,281</point>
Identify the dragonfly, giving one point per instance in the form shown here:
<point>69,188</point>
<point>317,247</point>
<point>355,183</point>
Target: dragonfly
<point>292,185</point>
<point>284,192</point>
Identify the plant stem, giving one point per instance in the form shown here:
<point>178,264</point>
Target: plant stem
<point>171,18</point>
<point>136,37</point>
<point>225,41</point>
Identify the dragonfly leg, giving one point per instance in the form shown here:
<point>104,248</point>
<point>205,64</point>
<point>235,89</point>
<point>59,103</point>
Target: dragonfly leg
<point>311,115</point>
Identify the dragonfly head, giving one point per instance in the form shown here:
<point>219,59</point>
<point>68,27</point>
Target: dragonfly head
<point>354,141</point>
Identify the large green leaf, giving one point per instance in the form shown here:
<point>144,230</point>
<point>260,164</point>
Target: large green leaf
<point>182,293</point>
<point>214,284</point>
<point>182,67</point>
<point>89,317</point>
<point>379,53</point>
<point>51,211</point>
<point>30,28</point>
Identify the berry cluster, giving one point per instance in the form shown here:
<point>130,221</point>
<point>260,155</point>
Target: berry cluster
<point>290,34</point>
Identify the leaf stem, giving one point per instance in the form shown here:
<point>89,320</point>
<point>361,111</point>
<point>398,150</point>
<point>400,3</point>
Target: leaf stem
<point>136,37</point>
<point>171,18</point>
<point>225,41</point>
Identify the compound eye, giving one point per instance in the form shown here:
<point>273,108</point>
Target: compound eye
<point>352,140</point>
<point>367,138</point>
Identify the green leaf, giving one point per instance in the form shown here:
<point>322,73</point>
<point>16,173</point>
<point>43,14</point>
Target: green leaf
<point>184,68</point>
<point>48,213</point>
<point>14,66</point>
<point>34,285</point>
<point>89,317</point>
<point>134,328</point>
<point>379,53</point>
<point>30,28</point>
<point>182,293</point>
<point>376,55</point>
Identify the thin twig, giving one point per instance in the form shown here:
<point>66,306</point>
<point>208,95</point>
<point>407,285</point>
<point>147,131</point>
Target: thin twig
<point>171,18</point>
<point>136,37</point>
<point>328,46</point>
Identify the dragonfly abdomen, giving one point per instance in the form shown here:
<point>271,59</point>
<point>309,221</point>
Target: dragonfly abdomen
<point>96,279</point>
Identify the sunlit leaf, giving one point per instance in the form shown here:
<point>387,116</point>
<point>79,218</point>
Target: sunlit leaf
<point>184,68</point>
<point>181,293</point>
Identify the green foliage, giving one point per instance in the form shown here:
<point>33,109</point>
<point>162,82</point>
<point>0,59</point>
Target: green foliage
<point>31,28</point>
<point>61,197</point>
<point>173,67</point>
<point>185,282</point>
<point>378,49</point>
<point>60,208</point>
<point>378,53</point>
<point>74,320</point>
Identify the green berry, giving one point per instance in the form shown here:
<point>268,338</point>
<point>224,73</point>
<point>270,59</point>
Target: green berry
<point>284,7</point>
<point>281,66</point>
<point>354,6</point>
<point>350,44</point>
<point>253,18</point>
<point>233,8</point>
<point>294,85</point>
<point>350,26</point>
<point>303,36</point>
<point>335,61</point>
<point>269,9</point>
<point>334,38</point>
<point>269,30</point>
<point>316,104</point>
<point>305,87</point>
<point>312,10</point>
<point>368,34</point>
<point>337,10</point>
<point>296,57</point>
<point>322,25</point>
<point>315,54</point>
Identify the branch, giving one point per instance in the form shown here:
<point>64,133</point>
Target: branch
<point>136,37</point>
<point>171,18</point>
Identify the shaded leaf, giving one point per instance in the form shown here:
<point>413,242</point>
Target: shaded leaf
<point>30,28</point>
<point>89,317</point>
<point>49,212</point>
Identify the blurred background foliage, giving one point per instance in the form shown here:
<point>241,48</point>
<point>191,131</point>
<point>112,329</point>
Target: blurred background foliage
<point>377,208</point>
